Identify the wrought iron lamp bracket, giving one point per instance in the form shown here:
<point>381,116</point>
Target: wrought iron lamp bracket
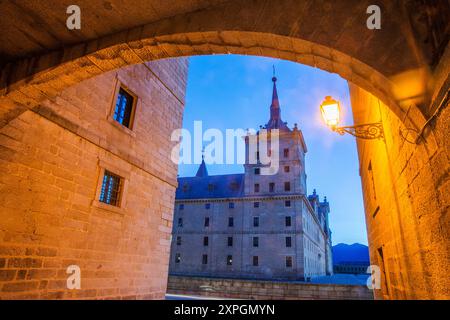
<point>366,131</point>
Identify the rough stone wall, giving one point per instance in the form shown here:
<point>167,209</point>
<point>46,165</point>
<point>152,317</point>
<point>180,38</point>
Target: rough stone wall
<point>406,195</point>
<point>50,170</point>
<point>265,290</point>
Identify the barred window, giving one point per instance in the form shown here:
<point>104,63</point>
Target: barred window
<point>123,112</point>
<point>288,242</point>
<point>178,241</point>
<point>230,241</point>
<point>111,189</point>
<point>255,204</point>
<point>257,171</point>
<point>287,186</point>
<point>272,187</point>
<point>288,262</point>
<point>287,203</point>
<point>205,241</point>
<point>287,221</point>
<point>256,221</point>
<point>231,205</point>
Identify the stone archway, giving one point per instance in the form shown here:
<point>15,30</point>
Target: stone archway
<point>326,35</point>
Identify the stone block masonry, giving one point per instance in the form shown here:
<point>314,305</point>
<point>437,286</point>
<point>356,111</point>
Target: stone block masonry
<point>51,161</point>
<point>265,290</point>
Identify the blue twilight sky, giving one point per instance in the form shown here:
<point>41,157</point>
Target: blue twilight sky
<point>233,91</point>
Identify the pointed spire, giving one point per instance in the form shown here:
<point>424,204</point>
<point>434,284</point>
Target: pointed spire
<point>202,171</point>
<point>275,121</point>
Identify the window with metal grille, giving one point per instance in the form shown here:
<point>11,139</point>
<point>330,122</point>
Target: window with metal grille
<point>272,187</point>
<point>287,203</point>
<point>255,204</point>
<point>205,241</point>
<point>229,260</point>
<point>124,108</point>
<point>231,205</point>
<point>255,261</point>
<point>287,186</point>
<point>288,262</point>
<point>288,242</point>
<point>287,221</point>
<point>111,189</point>
<point>257,171</point>
<point>230,241</point>
<point>256,221</point>
<point>255,241</point>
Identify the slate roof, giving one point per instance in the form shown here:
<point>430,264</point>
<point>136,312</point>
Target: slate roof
<point>220,186</point>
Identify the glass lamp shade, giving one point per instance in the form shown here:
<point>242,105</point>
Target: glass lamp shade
<point>331,110</point>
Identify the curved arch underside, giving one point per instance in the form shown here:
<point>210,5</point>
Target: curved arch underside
<point>329,35</point>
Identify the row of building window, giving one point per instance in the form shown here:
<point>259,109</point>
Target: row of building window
<point>256,204</point>
<point>112,184</point>
<point>288,241</point>
<point>229,260</point>
<point>257,171</point>
<point>287,187</point>
<point>287,222</point>
<point>269,153</point>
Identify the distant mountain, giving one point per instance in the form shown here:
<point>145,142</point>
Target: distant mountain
<point>356,252</point>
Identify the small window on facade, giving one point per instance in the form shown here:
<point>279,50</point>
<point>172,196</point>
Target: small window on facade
<point>111,189</point>
<point>287,169</point>
<point>288,262</point>
<point>288,221</point>
<point>255,261</point>
<point>255,241</point>
<point>123,112</point>
<point>229,260</point>
<point>205,259</point>
<point>286,153</point>
<point>255,204</point>
<point>287,186</point>
<point>205,241</point>
<point>210,187</point>
<point>231,205</point>
<point>185,187</point>
<point>207,206</point>
<point>287,203</point>
<point>230,221</point>
<point>288,242</point>
<point>207,222</point>
<point>180,222</point>
<point>256,221</point>
<point>181,207</point>
<point>178,241</point>
<point>230,241</point>
<point>177,258</point>
<point>256,187</point>
<point>257,171</point>
<point>272,187</point>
